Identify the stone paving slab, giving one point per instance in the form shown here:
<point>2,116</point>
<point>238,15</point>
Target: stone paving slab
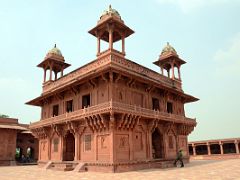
<point>196,169</point>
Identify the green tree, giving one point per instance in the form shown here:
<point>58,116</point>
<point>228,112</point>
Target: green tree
<point>3,116</point>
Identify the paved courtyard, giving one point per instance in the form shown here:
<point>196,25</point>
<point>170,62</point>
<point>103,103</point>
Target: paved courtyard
<point>225,169</point>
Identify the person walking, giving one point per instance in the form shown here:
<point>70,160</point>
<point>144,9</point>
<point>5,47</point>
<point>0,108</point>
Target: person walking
<point>179,158</point>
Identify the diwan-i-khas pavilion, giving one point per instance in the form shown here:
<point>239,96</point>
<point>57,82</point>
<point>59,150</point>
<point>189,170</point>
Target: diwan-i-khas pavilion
<point>112,114</point>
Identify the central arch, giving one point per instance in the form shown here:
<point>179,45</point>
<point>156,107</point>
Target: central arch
<point>157,144</point>
<point>69,147</point>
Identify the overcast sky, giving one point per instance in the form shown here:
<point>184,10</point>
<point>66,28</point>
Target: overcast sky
<point>205,33</point>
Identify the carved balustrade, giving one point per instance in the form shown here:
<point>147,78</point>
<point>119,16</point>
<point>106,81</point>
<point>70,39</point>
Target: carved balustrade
<point>116,107</point>
<point>116,61</point>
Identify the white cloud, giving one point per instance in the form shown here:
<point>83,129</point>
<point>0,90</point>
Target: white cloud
<point>228,58</point>
<point>188,6</point>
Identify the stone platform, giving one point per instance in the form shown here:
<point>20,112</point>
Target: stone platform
<point>197,169</point>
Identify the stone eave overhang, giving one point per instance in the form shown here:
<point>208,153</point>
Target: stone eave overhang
<point>114,62</point>
<point>111,20</point>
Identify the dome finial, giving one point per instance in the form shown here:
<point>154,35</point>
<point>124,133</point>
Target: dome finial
<point>168,49</point>
<point>55,45</point>
<point>110,7</point>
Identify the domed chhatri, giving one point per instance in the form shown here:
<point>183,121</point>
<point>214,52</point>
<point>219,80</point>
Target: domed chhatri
<point>55,51</point>
<point>168,49</point>
<point>110,11</point>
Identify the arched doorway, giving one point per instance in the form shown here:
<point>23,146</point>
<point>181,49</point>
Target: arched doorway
<point>18,155</point>
<point>30,153</point>
<point>157,144</point>
<point>69,147</point>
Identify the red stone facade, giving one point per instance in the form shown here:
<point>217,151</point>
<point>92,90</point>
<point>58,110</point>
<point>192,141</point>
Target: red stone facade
<point>112,114</point>
<point>11,132</point>
<point>215,149</point>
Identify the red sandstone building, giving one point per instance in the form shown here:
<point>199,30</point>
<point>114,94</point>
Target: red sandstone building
<point>112,114</point>
<point>15,136</point>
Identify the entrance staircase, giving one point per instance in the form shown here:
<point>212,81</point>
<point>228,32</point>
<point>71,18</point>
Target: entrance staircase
<point>63,165</point>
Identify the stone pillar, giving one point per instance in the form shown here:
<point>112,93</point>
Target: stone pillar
<point>55,73</point>
<point>172,67</point>
<point>179,73</point>
<point>62,72</point>
<point>98,45</point>
<point>168,71</point>
<point>61,147</point>
<point>221,147</point>
<point>162,70</point>
<point>50,73</point>
<point>44,75</point>
<point>123,44</point>
<point>76,156</point>
<point>236,146</point>
<point>110,38</point>
<point>49,148</point>
<point>112,143</point>
<point>39,150</point>
<point>209,149</point>
<point>194,150</point>
<point>131,145</point>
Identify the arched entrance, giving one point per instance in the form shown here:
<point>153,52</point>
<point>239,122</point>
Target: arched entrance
<point>30,153</point>
<point>18,155</point>
<point>69,147</point>
<point>157,144</point>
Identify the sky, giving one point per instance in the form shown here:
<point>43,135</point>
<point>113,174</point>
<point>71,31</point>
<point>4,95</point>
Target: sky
<point>205,33</point>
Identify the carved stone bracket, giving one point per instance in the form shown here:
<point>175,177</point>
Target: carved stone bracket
<point>41,133</point>
<point>128,122</point>
<point>96,123</point>
<point>152,125</point>
<point>185,129</point>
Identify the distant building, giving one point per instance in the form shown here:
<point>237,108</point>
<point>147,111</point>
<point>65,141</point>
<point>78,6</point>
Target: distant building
<point>15,139</point>
<point>215,149</point>
<point>112,114</point>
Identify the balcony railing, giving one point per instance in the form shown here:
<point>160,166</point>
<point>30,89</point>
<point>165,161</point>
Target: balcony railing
<point>116,107</point>
<point>118,61</point>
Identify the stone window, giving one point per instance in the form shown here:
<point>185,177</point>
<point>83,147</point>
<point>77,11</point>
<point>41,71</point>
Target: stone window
<point>155,104</point>
<point>86,101</point>
<point>55,110</point>
<point>169,107</point>
<point>55,144</point>
<point>87,142</point>
<point>69,106</point>
<point>170,142</point>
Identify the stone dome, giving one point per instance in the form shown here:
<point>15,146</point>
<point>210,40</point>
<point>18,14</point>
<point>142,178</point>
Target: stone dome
<point>111,11</point>
<point>168,49</point>
<point>55,51</point>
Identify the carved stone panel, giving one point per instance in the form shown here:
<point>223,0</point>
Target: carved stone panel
<point>122,147</point>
